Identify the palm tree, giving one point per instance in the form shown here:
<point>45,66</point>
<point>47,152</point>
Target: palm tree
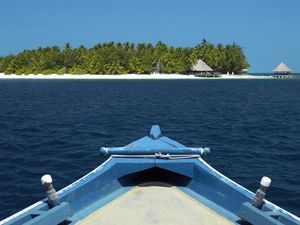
<point>114,68</point>
<point>116,58</point>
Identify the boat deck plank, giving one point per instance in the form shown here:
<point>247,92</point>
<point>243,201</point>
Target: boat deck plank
<point>154,204</point>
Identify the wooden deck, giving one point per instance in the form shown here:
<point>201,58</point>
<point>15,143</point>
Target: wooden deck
<point>154,204</point>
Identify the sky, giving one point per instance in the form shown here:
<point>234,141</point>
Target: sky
<point>268,30</point>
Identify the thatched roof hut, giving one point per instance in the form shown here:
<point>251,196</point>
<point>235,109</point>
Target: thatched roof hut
<point>282,69</point>
<point>156,68</point>
<point>201,66</point>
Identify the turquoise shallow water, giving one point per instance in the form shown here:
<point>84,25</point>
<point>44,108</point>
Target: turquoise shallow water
<point>57,127</point>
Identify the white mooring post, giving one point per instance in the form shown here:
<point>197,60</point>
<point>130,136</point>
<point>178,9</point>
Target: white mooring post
<point>258,199</point>
<point>51,192</point>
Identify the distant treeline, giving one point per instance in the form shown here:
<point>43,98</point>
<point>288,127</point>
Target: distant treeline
<point>121,58</point>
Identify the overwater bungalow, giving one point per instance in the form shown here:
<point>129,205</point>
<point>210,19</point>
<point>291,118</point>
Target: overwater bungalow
<point>282,71</point>
<point>245,71</point>
<point>201,69</point>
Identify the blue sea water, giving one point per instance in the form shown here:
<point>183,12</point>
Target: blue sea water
<point>57,127</point>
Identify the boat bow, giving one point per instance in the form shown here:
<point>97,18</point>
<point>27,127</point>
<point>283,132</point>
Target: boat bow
<point>153,159</point>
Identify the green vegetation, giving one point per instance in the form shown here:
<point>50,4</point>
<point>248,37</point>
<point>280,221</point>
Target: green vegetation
<point>118,58</point>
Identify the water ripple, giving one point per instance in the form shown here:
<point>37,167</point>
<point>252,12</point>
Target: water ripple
<point>57,127</point>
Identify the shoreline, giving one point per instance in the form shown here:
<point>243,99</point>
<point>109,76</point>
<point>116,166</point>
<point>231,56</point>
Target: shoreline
<point>128,76</point>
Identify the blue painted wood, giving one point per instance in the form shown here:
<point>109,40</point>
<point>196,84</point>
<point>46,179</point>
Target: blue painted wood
<point>55,215</point>
<point>156,143</point>
<point>119,174</point>
<point>103,182</point>
<point>256,216</point>
<point>52,216</point>
<point>287,220</point>
<point>171,142</point>
<point>181,166</point>
<point>155,132</point>
<point>216,189</point>
<point>150,151</point>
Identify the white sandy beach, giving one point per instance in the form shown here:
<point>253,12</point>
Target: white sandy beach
<point>127,76</point>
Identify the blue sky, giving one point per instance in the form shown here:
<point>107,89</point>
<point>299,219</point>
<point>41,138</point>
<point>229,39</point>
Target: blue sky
<point>269,30</point>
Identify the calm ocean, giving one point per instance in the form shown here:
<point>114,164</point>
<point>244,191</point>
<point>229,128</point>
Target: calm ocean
<point>57,127</point>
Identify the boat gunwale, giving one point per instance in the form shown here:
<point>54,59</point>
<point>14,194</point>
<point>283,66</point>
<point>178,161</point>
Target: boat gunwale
<point>248,192</point>
<point>68,187</point>
<point>81,181</point>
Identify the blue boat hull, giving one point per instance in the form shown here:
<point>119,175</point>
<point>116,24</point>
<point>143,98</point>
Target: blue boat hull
<point>120,173</point>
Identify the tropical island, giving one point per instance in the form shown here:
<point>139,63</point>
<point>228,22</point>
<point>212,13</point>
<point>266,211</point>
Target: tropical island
<point>124,58</point>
